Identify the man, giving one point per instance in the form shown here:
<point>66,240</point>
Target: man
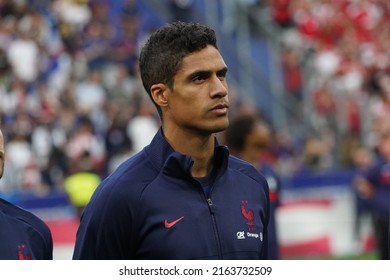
<point>376,186</point>
<point>248,138</point>
<point>23,236</point>
<point>182,196</point>
<point>81,183</point>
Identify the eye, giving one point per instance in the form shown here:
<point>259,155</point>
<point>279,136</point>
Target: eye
<point>222,74</point>
<point>200,77</point>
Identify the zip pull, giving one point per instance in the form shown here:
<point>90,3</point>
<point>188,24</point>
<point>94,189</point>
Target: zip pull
<point>210,204</point>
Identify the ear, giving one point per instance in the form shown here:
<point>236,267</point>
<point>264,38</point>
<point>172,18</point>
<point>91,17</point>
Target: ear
<point>160,93</point>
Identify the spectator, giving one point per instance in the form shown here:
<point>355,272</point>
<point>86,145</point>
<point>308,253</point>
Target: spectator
<point>23,55</point>
<point>181,10</point>
<point>377,186</point>
<point>84,140</point>
<point>362,159</point>
<point>117,142</point>
<point>81,183</point>
<point>143,126</point>
<point>90,95</point>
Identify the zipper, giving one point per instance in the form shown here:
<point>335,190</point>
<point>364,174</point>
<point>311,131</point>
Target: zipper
<point>209,202</point>
<point>216,233</point>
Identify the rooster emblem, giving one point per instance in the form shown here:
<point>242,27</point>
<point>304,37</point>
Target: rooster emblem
<point>21,255</point>
<point>249,215</point>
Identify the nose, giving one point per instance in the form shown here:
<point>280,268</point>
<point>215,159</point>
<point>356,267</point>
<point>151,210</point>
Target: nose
<point>219,87</point>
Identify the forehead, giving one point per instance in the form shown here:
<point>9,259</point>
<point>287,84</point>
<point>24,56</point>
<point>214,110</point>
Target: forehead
<point>208,58</point>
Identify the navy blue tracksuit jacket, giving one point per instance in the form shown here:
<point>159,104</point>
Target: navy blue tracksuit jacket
<point>23,236</point>
<point>152,208</point>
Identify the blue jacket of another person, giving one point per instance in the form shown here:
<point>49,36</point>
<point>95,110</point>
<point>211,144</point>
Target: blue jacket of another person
<point>23,236</point>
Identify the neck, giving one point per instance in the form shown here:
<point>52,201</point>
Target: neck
<point>199,148</point>
<point>202,167</point>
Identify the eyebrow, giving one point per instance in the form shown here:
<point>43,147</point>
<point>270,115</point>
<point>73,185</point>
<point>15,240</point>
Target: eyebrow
<point>224,70</point>
<point>198,73</point>
<point>206,72</point>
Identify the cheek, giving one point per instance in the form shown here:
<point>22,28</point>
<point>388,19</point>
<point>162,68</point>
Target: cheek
<point>184,109</point>
<point>186,103</point>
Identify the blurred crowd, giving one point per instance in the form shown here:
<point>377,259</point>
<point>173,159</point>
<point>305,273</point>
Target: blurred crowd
<point>70,96</point>
<point>336,66</point>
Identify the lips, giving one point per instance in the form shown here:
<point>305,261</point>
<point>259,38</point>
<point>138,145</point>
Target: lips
<point>220,107</point>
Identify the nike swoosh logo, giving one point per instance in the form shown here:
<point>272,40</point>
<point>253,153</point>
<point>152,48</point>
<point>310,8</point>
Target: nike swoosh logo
<point>171,224</point>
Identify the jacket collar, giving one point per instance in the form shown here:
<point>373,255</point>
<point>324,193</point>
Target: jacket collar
<point>165,158</point>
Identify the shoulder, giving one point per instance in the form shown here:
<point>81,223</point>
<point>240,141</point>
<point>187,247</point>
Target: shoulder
<point>137,169</point>
<point>25,219</point>
<point>246,169</point>
<point>124,186</point>
<point>269,171</point>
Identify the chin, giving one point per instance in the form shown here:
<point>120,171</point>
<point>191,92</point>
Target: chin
<point>219,128</point>
<point>213,126</point>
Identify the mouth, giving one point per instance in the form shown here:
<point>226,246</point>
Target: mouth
<point>220,108</point>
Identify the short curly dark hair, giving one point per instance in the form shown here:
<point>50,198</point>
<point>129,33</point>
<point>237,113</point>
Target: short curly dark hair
<point>161,56</point>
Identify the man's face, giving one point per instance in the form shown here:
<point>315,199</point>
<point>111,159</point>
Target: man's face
<point>1,154</point>
<point>198,100</point>
<point>255,143</point>
<point>385,147</point>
